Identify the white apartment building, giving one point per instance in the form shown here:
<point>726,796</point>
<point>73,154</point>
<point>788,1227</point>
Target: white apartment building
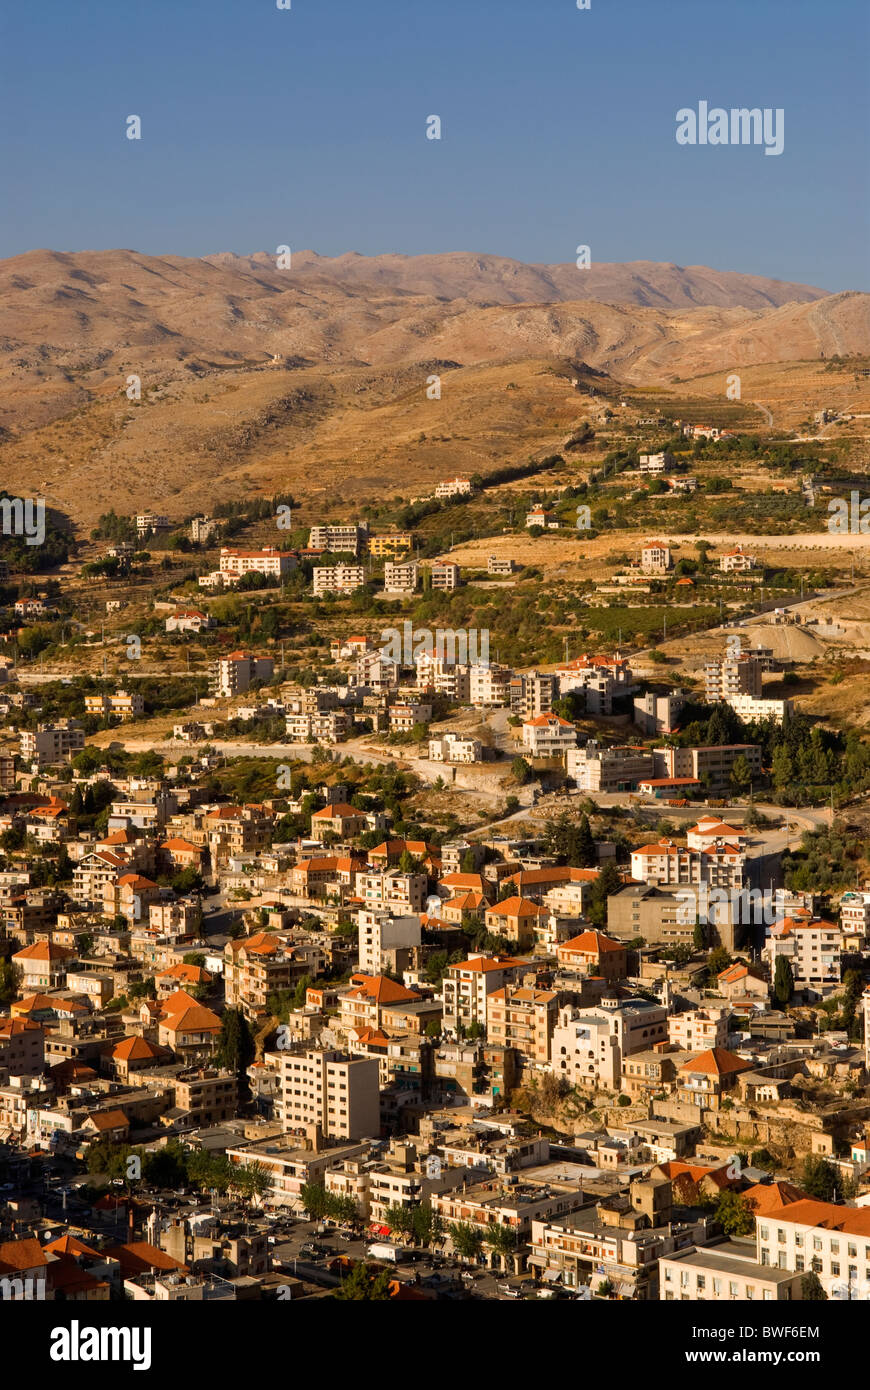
<point>338,1092</point>
<point>855,913</point>
<point>454,487</point>
<point>338,539</point>
<point>813,948</point>
<point>489,685</point>
<point>749,708</point>
<point>454,748</point>
<point>831,1241</point>
<point>443,574</point>
<point>720,866</point>
<point>150,521</point>
<point>696,1030</point>
<point>233,674</point>
<point>394,889</point>
<point>548,736</point>
<point>597,769</point>
<point>234,563</point>
<point>401,577</point>
<point>738,675</point>
<point>381,931</point>
<point>445,677</point>
<point>337,579</point>
<point>585,1051</point>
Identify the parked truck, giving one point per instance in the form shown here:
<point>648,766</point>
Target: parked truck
<point>380,1251</point>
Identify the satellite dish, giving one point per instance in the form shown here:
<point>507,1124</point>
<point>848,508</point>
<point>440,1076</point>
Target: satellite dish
<point>433,905</point>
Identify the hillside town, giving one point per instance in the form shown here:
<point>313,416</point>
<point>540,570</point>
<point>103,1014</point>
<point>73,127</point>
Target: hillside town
<point>288,1012</point>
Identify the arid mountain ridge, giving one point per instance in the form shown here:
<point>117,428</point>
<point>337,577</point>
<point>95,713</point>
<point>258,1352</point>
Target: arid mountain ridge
<point>249,372</point>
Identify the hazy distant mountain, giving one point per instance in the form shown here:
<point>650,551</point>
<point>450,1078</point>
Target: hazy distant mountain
<point>498,280</point>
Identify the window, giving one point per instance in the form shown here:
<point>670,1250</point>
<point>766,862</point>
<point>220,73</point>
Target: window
<point>799,1264</point>
<point>763,1232</point>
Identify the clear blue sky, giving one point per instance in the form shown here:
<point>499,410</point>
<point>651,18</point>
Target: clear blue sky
<point>307,127</point>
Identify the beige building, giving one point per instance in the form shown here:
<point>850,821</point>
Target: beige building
<point>330,1089</point>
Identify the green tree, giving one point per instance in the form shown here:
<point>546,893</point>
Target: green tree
<point>467,1239</point>
<point>10,979</point>
<point>520,770</point>
<point>235,1050</point>
<point>315,1199</point>
<point>400,1220</point>
<point>502,1239</point>
<point>734,1214</point>
<point>811,1289</point>
<point>783,980</point>
<point>362,1284</point>
<point>821,1179</point>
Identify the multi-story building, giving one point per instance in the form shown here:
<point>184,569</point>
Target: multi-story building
<point>466,987</point>
<point>496,565</point>
<point>532,693</point>
<point>150,521</point>
<point>443,574</point>
<point>589,1044</point>
<point>523,1018</point>
<point>658,714</point>
<point>454,487</point>
<point>712,766</point>
<point>655,557</point>
<point>387,940</point>
<point>337,579</point>
<point>280,564</point>
<point>594,768</point>
<point>330,1089</point>
<point>593,953</point>
<point>548,736</point>
<point>489,685</point>
<point>232,675</point>
<point>339,540</point>
<point>813,948</point>
<point>735,561</point>
<point>656,463</point>
<point>393,889</point>
<point>394,543</point>
<point>696,1030</point>
<point>719,866</point>
<point>122,703</point>
<point>727,1271</point>
<point>52,743</point>
<point>855,914</point>
<point>206,1096</point>
<point>401,578</point>
<point>455,748</point>
<point>256,967</point>
<point>733,675</point>
<point>202,528</point>
<point>750,709</point>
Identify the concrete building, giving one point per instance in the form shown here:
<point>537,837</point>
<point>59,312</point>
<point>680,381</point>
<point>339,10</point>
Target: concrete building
<point>232,675</point>
<point>337,579</point>
<point>51,743</point>
<point>597,769</point>
<point>388,940</point>
<point>330,1089</point>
